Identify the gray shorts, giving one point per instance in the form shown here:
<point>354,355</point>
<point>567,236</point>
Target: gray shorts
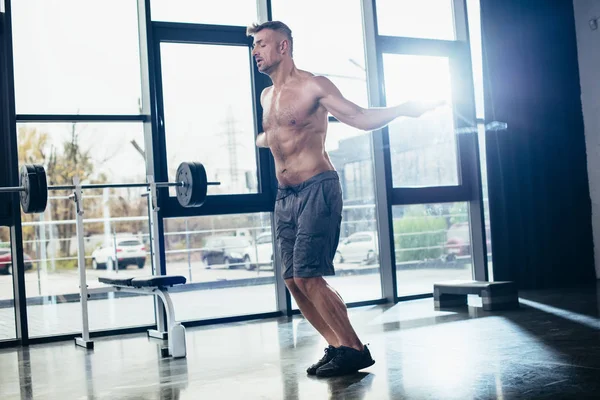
<point>307,222</point>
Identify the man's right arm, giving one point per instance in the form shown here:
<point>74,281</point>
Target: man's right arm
<point>366,119</point>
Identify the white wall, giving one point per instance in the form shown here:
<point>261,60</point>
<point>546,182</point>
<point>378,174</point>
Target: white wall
<point>588,44</point>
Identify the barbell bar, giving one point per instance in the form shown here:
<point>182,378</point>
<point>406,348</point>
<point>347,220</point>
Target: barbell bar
<point>191,186</point>
<point>101,186</point>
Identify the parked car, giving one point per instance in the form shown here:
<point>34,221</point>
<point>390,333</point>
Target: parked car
<point>458,241</point>
<point>129,251</point>
<point>229,251</point>
<point>359,247</point>
<point>6,262</point>
<point>261,253</point>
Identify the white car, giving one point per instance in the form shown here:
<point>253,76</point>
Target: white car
<point>129,251</point>
<point>261,252</point>
<point>357,248</point>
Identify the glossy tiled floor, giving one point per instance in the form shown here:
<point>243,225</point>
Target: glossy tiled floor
<point>549,348</point>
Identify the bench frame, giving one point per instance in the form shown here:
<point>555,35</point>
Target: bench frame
<point>170,329</point>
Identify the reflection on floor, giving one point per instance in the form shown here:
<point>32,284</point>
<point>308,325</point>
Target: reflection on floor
<point>550,348</point>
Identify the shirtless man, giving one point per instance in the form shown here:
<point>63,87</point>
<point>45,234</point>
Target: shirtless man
<point>308,208</point>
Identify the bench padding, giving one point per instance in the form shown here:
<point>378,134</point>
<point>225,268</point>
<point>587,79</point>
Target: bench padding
<point>116,281</point>
<point>149,281</point>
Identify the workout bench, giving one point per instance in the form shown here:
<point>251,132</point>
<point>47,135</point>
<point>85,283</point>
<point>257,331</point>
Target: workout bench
<point>158,286</point>
<point>494,295</point>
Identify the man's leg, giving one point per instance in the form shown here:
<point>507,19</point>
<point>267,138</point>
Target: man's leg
<point>308,310</point>
<point>328,304</point>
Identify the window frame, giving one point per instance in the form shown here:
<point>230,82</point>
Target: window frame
<point>219,35</point>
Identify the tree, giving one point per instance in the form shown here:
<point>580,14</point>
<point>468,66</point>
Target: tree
<point>62,167</point>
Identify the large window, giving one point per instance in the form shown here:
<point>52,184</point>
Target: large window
<point>76,57</point>
<point>7,314</point>
<point>227,261</point>
<point>73,57</point>
<point>209,113</point>
<point>96,153</point>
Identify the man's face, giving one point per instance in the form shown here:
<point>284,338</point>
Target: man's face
<point>266,50</point>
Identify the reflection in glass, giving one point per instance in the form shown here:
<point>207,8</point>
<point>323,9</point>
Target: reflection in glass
<point>209,116</point>
<point>432,243</point>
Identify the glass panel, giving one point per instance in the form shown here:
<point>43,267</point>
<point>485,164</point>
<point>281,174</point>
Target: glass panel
<point>76,57</point>
<point>432,243</point>
<point>222,12</point>
<point>227,260</point>
<point>209,113</point>
<point>424,149</point>
<point>97,153</point>
<point>343,63</point>
<point>7,311</point>
<point>357,263</point>
<point>428,19</point>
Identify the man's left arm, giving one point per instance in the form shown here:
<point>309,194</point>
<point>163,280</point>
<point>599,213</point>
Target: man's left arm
<point>366,119</point>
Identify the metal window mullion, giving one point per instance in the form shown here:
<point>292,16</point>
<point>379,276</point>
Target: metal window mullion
<point>468,144</point>
<point>282,295</point>
<point>470,148</point>
<point>148,64</point>
<point>381,157</point>
<point>54,118</point>
<point>9,126</point>
<point>197,33</point>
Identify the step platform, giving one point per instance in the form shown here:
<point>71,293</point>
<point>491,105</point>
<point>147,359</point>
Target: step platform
<point>495,295</point>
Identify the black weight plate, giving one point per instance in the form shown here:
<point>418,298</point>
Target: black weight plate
<point>193,193</point>
<point>42,201</point>
<point>200,184</point>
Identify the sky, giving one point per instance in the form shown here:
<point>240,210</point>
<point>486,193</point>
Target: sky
<point>82,56</point>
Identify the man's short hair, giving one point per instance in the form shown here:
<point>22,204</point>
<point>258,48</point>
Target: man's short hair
<point>274,26</point>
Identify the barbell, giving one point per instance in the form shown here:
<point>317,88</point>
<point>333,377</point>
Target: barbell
<point>190,182</point>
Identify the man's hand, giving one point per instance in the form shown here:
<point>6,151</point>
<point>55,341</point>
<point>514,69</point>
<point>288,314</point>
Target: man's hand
<point>421,107</point>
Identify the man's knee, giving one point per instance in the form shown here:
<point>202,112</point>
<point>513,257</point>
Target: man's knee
<point>291,285</point>
<point>308,285</point>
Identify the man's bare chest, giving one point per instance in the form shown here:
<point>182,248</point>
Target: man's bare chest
<point>288,109</point>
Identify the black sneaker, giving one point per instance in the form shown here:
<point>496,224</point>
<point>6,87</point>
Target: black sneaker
<point>329,354</point>
<point>346,361</point>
